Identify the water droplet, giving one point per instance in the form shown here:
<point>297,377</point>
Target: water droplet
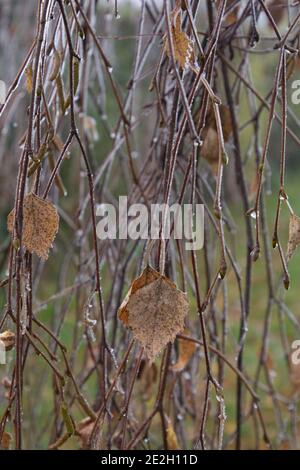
<point>110,70</point>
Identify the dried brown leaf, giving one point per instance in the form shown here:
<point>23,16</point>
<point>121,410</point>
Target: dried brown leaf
<point>183,46</point>
<point>154,309</point>
<point>210,147</point>
<point>172,440</point>
<point>225,120</point>
<point>55,65</point>
<point>6,382</point>
<point>6,440</point>
<point>232,16</point>
<point>276,9</point>
<point>148,275</point>
<point>253,187</point>
<point>83,430</point>
<point>147,375</point>
<point>294,235</point>
<point>186,350</point>
<point>40,224</point>
<point>8,339</point>
<point>28,78</point>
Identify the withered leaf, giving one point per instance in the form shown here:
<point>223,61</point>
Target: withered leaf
<point>186,350</point>
<point>84,429</point>
<point>147,375</point>
<point>90,127</point>
<point>182,44</point>
<point>172,440</point>
<point>294,235</point>
<point>210,147</point>
<point>6,440</point>
<point>154,309</point>
<point>55,65</point>
<point>277,11</point>
<point>232,16</point>
<point>148,275</point>
<point>29,78</point>
<point>225,120</point>
<point>40,224</point>
<point>253,187</point>
<point>8,339</point>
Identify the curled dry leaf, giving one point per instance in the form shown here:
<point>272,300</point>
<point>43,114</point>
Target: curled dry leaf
<point>186,350</point>
<point>210,147</point>
<point>147,376</point>
<point>8,339</point>
<point>83,430</point>
<point>172,440</point>
<point>294,235</point>
<point>6,382</point>
<point>154,309</point>
<point>183,46</point>
<point>90,127</point>
<point>277,10</point>
<point>29,78</point>
<point>40,224</point>
<point>232,16</point>
<point>6,441</point>
<point>55,65</point>
<point>253,187</point>
<point>225,120</point>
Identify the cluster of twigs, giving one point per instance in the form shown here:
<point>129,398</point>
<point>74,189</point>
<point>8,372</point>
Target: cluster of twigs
<point>84,139</point>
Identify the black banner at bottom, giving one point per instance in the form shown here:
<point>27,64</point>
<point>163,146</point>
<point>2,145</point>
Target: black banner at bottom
<point>135,459</point>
